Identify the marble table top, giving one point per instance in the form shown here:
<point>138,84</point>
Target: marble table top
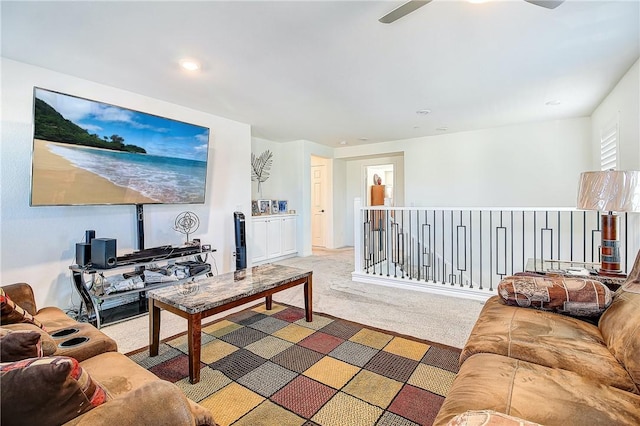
<point>211,292</point>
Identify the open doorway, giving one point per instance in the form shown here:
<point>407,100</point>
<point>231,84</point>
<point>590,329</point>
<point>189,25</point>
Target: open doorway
<point>379,183</point>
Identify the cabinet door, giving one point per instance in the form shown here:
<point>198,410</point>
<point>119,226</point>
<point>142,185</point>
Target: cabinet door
<point>289,235</point>
<point>259,240</point>
<point>274,238</point>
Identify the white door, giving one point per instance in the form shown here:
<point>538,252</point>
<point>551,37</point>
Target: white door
<point>317,205</point>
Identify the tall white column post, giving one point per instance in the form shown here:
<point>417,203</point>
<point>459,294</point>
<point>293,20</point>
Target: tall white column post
<point>357,233</point>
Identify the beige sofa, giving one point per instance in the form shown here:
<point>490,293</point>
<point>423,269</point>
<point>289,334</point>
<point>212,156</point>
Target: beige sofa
<point>549,368</point>
<point>49,391</point>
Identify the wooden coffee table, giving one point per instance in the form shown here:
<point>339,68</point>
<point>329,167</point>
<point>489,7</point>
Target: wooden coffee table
<point>201,299</point>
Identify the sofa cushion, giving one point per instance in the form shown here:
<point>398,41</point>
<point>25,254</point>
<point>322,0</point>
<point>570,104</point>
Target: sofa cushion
<point>159,403</point>
<point>117,373</point>
<point>565,295</point>
<point>548,339</point>
<point>539,394</point>
<point>97,343</point>
<point>10,312</point>
<point>620,328</point>
<point>488,418</point>
<point>54,318</point>
<point>49,346</point>
<point>22,294</point>
<point>121,376</point>
<point>46,391</point>
<point>15,346</point>
<point>632,284</point>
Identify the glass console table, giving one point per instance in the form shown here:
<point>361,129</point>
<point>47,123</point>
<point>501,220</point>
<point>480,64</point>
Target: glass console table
<point>134,277</point>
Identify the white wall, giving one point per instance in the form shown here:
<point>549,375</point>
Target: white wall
<point>283,181</point>
<point>533,165</point>
<point>527,165</point>
<point>292,180</point>
<point>37,244</point>
<point>342,236</point>
<point>276,187</point>
<point>624,101</point>
<point>524,165</point>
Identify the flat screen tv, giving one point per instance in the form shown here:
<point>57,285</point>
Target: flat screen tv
<point>88,153</point>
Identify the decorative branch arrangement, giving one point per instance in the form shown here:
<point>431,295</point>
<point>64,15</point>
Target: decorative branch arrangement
<point>260,167</point>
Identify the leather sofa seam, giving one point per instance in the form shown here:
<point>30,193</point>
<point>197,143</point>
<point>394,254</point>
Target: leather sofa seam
<point>509,336</point>
<point>511,386</point>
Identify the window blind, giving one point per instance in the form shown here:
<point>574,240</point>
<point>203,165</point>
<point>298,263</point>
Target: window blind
<point>609,147</point>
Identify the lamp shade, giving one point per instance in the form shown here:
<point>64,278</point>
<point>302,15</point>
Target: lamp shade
<point>611,190</point>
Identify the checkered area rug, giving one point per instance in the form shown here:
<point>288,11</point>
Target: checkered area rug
<point>272,367</point>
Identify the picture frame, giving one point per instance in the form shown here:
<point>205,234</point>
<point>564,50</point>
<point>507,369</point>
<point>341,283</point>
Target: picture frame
<point>274,207</point>
<point>264,206</point>
<point>255,208</point>
<point>282,206</point>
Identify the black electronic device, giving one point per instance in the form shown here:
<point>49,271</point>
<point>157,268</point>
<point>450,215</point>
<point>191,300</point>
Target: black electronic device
<point>160,252</point>
<point>241,240</point>
<point>89,235</point>
<point>103,253</point>
<point>83,254</point>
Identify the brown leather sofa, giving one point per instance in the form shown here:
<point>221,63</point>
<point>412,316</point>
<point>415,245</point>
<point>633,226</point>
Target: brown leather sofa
<point>549,368</point>
<point>64,335</point>
<point>133,394</point>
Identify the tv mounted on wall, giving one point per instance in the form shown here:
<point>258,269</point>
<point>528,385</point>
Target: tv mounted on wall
<point>92,153</point>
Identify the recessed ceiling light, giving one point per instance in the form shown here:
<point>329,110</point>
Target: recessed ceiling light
<point>442,129</point>
<point>553,102</point>
<point>363,139</point>
<point>423,111</point>
<point>343,142</point>
<point>189,65</point>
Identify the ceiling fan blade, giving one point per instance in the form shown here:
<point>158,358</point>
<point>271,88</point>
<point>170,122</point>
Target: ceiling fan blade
<point>549,4</point>
<point>403,10</point>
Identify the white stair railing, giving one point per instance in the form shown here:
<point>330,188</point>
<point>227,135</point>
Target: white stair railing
<point>472,249</point>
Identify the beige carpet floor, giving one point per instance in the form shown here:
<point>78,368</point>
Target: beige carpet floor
<point>442,319</point>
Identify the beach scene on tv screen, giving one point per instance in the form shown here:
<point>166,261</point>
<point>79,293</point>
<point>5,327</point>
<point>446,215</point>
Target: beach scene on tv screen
<point>89,152</point>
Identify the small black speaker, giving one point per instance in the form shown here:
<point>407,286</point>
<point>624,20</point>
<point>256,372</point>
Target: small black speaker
<point>83,254</point>
<point>89,235</point>
<point>103,253</point>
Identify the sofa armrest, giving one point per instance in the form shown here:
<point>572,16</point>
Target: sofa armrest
<point>155,403</point>
<point>22,295</point>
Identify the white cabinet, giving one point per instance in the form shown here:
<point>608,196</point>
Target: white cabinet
<point>274,237</point>
<point>289,235</point>
<point>259,241</point>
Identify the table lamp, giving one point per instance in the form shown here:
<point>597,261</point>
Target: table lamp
<point>610,191</point>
